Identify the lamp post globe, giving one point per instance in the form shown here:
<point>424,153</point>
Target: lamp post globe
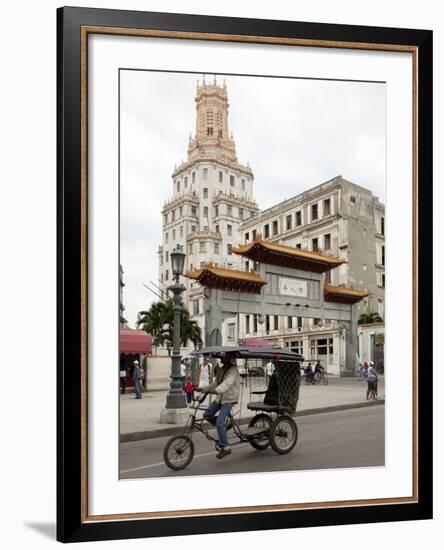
<point>177,262</point>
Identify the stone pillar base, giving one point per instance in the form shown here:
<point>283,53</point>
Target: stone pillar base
<point>174,416</point>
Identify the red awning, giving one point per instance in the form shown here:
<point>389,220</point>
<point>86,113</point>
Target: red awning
<point>135,341</point>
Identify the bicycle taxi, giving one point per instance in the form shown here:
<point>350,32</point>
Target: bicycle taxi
<point>272,425</point>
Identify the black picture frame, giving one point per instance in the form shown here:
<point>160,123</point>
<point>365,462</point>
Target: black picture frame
<point>73,524</point>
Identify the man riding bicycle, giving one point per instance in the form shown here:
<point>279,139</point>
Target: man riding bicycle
<point>227,388</point>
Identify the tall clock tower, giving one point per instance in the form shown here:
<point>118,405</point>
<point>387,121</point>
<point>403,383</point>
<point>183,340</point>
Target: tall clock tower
<point>212,195</point>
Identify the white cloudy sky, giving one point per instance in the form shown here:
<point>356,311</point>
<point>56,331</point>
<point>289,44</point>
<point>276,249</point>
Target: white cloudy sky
<point>294,133</point>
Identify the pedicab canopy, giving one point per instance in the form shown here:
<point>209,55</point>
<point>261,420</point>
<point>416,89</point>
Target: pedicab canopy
<point>282,394</point>
<point>245,352</point>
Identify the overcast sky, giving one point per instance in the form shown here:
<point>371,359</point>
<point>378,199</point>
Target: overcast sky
<point>294,133</point>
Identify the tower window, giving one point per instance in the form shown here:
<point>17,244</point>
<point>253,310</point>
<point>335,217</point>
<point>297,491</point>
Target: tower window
<point>205,211</point>
<point>266,231</point>
<point>219,118</point>
<point>298,218</point>
<point>209,131</point>
<point>178,186</point>
<point>193,177</point>
<point>210,117</point>
<point>205,192</point>
<point>314,244</point>
<point>243,184</point>
<point>219,133</point>
<point>229,249</point>
<point>221,176</point>
<point>275,227</point>
<point>229,210</point>
<point>241,213</point>
<point>232,181</point>
<point>229,229</point>
<point>205,173</point>
<point>289,222</point>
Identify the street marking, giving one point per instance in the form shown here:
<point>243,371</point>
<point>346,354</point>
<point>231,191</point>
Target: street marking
<point>160,464</point>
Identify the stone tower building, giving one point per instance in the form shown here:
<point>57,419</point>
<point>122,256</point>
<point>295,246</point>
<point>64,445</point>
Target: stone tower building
<point>212,195</point>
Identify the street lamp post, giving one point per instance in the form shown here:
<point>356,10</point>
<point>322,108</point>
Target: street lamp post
<point>176,404</point>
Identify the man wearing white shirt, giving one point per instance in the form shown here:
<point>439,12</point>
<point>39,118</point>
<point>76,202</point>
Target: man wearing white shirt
<point>269,369</point>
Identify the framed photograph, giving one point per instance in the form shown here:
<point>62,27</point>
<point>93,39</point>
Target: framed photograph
<point>244,274</point>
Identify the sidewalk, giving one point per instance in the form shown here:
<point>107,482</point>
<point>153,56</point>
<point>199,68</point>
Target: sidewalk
<point>139,418</point>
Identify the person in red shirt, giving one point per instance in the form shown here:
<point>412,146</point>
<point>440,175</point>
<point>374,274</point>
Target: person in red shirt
<point>189,389</point>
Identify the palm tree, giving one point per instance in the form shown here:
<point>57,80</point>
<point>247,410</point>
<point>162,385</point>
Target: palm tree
<point>158,321</point>
<point>153,322</point>
<point>369,318</point>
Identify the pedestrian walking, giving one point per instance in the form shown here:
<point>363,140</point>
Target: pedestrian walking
<point>365,369</point>
<point>137,379</point>
<point>184,371</point>
<point>189,389</point>
<point>204,374</point>
<point>122,375</point>
<point>372,380</point>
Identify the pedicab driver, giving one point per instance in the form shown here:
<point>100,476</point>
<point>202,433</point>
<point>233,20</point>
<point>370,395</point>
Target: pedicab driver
<point>227,387</point>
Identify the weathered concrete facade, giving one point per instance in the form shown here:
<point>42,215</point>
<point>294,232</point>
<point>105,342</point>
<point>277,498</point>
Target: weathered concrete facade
<point>342,219</point>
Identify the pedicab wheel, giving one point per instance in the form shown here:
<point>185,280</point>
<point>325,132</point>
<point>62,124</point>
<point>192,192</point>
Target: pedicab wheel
<point>283,434</point>
<point>325,381</point>
<point>261,421</point>
<point>178,452</point>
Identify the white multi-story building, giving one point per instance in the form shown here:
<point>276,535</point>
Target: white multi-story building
<point>212,210</point>
<point>212,195</point>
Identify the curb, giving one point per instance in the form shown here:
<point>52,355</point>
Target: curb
<point>173,430</point>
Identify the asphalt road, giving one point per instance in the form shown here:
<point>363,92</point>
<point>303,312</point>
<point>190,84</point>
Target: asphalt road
<point>345,439</point>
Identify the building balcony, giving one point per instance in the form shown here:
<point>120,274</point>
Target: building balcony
<point>236,200</point>
<point>178,199</point>
<point>201,234</point>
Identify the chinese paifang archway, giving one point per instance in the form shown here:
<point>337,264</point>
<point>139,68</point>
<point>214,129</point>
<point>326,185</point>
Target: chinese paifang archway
<point>266,290</point>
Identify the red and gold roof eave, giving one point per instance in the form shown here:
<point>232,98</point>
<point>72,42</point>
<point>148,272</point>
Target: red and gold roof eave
<point>228,279</point>
<point>287,256</point>
<point>343,295</point>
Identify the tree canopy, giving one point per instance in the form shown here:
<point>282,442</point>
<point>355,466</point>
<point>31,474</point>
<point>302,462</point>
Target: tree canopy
<point>158,322</point>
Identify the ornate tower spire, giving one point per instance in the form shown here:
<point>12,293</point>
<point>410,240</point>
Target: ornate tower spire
<point>212,138</point>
